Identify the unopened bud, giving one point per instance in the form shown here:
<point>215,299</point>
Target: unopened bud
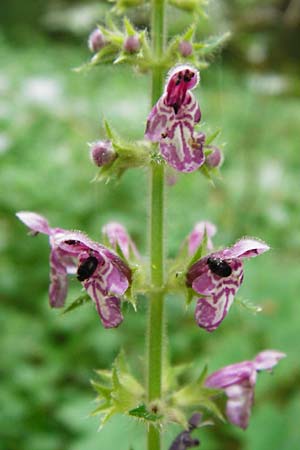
<point>96,40</point>
<point>102,153</point>
<point>185,48</point>
<point>215,158</point>
<point>132,44</point>
<point>200,138</point>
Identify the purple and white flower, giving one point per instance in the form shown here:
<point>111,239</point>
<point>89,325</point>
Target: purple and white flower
<point>118,237</point>
<point>238,382</point>
<point>171,121</point>
<point>196,236</point>
<point>102,273</point>
<point>217,278</point>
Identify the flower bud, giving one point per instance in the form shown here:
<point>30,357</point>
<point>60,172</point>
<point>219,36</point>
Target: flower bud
<point>102,153</point>
<point>96,41</point>
<point>215,158</point>
<point>132,44</point>
<point>185,48</point>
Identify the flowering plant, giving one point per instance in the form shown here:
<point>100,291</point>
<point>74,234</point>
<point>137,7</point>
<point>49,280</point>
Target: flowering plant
<point>113,271</point>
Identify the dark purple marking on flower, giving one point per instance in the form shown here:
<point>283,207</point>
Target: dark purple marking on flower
<point>238,382</point>
<point>72,242</point>
<point>87,268</point>
<point>177,87</point>
<point>219,267</point>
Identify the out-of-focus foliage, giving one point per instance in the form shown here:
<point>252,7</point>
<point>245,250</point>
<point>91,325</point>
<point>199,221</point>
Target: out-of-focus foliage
<point>47,114</point>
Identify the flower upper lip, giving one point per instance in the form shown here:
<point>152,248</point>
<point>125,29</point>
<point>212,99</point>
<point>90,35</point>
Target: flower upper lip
<point>238,382</point>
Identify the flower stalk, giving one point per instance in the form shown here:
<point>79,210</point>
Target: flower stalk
<point>156,304</point>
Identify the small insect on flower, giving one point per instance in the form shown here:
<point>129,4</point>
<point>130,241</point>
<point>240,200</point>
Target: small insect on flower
<point>219,267</point>
<point>238,382</point>
<point>87,268</point>
<point>217,278</point>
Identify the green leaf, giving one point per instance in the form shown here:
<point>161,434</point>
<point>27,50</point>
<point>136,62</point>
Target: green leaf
<point>212,407</point>
<point>189,34</point>
<point>110,134</point>
<point>104,375</point>
<point>80,301</point>
<point>103,391</point>
<point>129,27</point>
<point>213,44</point>
<point>189,296</point>
<point>210,138</point>
<point>203,375</point>
<point>177,416</point>
<point>193,6</point>
<point>118,391</point>
<point>207,173</point>
<point>142,413</point>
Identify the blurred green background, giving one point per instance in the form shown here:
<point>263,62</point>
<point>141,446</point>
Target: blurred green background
<point>47,115</point>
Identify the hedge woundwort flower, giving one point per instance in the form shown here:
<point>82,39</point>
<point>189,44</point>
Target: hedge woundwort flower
<point>101,272</point>
<point>196,236</point>
<point>217,277</point>
<point>171,121</point>
<point>118,237</point>
<point>238,382</point>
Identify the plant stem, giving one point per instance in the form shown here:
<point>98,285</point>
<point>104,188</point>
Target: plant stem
<point>156,307</point>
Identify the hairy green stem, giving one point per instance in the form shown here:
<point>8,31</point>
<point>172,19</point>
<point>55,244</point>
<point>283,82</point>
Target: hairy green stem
<point>156,306</point>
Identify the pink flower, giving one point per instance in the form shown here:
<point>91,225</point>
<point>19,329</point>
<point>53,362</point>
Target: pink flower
<point>195,238</point>
<point>238,381</point>
<point>171,121</point>
<point>217,278</point>
<point>119,238</point>
<point>101,272</point>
